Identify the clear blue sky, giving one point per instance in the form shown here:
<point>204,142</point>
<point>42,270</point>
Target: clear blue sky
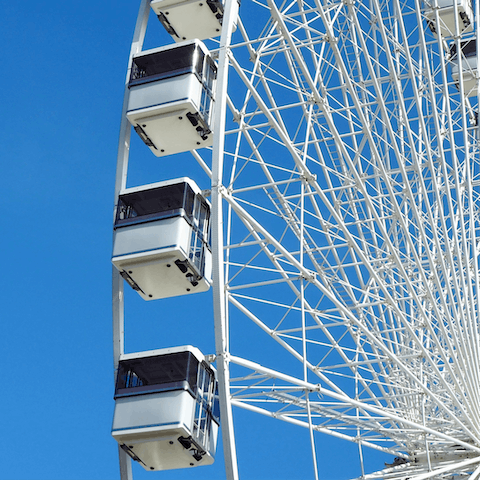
<point>62,85</point>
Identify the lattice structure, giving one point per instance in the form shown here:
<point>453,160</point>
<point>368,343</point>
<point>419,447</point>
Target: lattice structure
<point>352,182</point>
<point>345,197</point>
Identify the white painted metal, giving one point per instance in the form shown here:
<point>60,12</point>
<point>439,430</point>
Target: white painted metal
<point>120,183</point>
<point>345,197</point>
<point>161,451</point>
<point>185,20</point>
<point>149,424</point>
<point>447,10</point>
<point>350,180</point>
<point>466,64</point>
<point>146,253</point>
<point>220,305</point>
<point>159,108</point>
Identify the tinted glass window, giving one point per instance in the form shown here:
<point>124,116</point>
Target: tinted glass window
<point>155,203</point>
<point>216,405</point>
<point>172,62</point>
<point>469,48</point>
<point>199,59</point>
<point>157,373</point>
<point>210,75</point>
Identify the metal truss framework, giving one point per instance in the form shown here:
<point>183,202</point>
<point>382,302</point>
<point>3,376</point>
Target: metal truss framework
<point>345,192</point>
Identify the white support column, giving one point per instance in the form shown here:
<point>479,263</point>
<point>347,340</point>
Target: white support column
<point>219,296</point>
<point>120,183</point>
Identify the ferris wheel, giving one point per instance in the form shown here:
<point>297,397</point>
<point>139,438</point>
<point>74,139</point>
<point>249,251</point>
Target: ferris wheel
<point>339,232</point>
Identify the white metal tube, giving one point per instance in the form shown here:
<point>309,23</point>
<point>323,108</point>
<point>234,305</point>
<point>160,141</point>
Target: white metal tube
<point>120,183</point>
<point>350,401</point>
<point>219,301</point>
<point>455,467</point>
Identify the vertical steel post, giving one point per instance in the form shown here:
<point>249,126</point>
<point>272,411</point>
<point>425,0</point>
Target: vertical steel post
<point>219,294</point>
<point>120,183</point>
